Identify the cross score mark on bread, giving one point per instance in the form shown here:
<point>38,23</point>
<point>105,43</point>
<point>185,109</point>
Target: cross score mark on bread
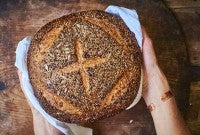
<point>81,64</point>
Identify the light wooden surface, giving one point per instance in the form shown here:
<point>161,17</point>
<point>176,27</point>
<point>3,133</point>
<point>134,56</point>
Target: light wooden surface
<point>18,20</point>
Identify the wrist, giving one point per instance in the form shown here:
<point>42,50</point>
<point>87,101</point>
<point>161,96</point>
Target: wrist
<point>156,86</point>
<point>165,99</point>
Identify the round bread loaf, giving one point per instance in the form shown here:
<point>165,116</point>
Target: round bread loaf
<point>84,66</point>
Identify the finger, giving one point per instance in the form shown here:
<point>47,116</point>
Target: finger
<point>146,40</point>
<point>148,53</point>
<point>144,33</point>
<point>20,79</point>
<point>19,74</point>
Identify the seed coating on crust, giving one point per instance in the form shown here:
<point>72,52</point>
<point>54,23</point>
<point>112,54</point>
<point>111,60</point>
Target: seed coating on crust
<point>84,66</point>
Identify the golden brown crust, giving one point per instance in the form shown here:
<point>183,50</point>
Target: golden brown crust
<point>84,66</point>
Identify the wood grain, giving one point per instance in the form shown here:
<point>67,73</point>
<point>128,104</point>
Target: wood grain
<point>21,18</point>
<point>188,14</point>
<point>190,20</point>
<point>193,111</point>
<point>183,3</point>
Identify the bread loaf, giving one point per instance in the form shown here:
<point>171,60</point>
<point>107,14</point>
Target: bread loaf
<point>84,66</point>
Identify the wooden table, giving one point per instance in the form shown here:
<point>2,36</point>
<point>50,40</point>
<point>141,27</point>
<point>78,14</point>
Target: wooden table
<point>176,44</point>
<point>187,13</point>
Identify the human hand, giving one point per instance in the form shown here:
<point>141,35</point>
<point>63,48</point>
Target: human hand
<point>154,83</point>
<point>34,111</point>
<point>41,125</point>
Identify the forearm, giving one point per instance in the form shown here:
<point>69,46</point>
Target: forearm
<point>40,125</point>
<point>168,120</point>
<point>166,117</point>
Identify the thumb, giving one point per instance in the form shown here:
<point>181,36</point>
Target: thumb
<point>149,57</point>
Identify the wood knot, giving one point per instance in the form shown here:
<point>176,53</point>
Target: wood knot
<point>2,85</point>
